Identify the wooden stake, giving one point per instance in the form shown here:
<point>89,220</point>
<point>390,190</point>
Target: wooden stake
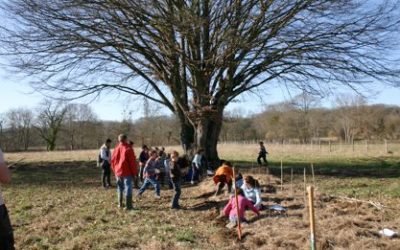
<point>312,173</point>
<point>239,229</point>
<point>304,175</point>
<point>310,191</point>
<point>281,174</point>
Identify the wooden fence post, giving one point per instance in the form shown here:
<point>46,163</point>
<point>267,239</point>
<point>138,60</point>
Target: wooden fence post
<point>310,191</point>
<point>305,182</point>
<point>312,173</point>
<point>281,174</point>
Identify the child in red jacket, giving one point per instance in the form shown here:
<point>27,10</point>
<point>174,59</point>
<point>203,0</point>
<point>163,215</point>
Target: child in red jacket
<point>243,203</point>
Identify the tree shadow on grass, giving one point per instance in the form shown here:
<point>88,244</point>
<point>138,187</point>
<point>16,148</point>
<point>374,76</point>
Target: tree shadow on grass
<point>83,174</point>
<point>371,167</point>
<point>205,195</point>
<point>208,205</point>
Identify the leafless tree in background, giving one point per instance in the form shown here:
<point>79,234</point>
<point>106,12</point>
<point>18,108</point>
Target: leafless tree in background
<point>49,122</point>
<point>302,104</point>
<point>79,123</point>
<point>196,57</point>
<point>350,110</point>
<point>19,121</point>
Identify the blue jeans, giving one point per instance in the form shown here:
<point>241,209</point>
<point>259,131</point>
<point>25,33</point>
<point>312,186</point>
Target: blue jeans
<point>124,185</point>
<point>150,181</point>
<point>177,188</point>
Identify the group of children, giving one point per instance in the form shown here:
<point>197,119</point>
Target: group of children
<point>157,168</point>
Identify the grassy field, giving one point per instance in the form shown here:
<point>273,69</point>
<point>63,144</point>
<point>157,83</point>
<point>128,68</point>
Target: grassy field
<point>56,202</point>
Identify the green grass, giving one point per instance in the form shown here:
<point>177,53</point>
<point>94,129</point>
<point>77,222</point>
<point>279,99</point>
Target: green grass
<point>186,236</point>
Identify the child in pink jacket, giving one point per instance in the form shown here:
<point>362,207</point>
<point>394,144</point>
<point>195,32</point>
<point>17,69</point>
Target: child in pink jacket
<point>231,211</point>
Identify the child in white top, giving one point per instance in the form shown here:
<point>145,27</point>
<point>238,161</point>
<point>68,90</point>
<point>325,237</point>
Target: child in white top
<point>251,190</point>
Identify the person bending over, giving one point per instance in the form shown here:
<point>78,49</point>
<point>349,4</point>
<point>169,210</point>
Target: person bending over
<point>223,175</point>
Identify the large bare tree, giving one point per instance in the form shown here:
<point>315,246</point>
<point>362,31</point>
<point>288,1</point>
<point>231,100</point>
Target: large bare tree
<point>195,57</point>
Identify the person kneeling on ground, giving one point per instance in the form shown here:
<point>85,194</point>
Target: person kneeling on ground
<point>223,175</point>
<point>251,190</point>
<point>150,172</point>
<point>243,204</point>
<point>175,172</point>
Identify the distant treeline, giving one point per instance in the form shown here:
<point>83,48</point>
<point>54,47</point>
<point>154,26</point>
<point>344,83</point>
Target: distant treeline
<point>302,120</point>
<point>75,126</point>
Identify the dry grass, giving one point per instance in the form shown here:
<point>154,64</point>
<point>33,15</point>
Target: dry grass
<point>61,206</point>
<point>240,152</point>
<point>56,202</point>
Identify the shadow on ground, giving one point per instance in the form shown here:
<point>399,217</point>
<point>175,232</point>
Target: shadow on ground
<point>373,167</point>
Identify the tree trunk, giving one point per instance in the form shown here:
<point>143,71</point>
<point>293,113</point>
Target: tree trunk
<point>208,128</point>
<point>186,135</point>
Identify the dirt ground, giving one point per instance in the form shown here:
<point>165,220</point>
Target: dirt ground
<point>340,223</point>
<point>61,206</point>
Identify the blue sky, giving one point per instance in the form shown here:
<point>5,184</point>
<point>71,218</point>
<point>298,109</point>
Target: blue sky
<point>16,92</point>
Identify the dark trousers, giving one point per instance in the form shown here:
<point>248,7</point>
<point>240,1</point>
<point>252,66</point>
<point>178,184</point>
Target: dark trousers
<point>221,185</point>
<point>6,233</point>
<point>106,173</point>
<point>141,172</point>
<point>195,173</point>
<point>264,157</point>
<point>177,188</point>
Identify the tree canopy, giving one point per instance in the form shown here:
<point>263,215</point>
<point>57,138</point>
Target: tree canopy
<point>195,57</point>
